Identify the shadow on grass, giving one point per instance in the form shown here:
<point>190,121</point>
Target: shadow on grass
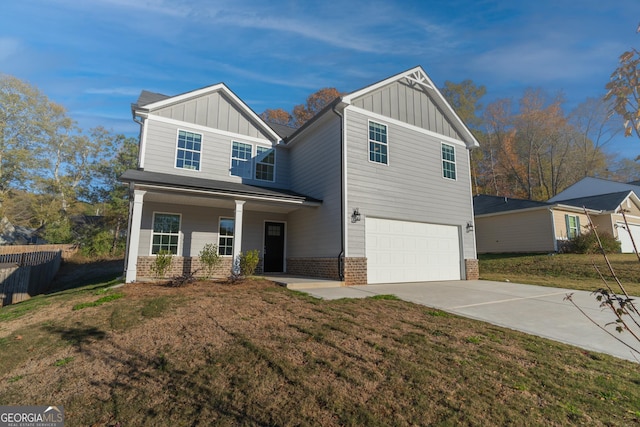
<point>74,274</point>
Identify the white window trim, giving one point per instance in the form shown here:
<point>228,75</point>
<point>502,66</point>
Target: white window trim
<point>455,162</point>
<point>153,222</point>
<point>250,175</point>
<point>369,121</point>
<point>220,218</point>
<point>175,157</point>
<point>275,162</point>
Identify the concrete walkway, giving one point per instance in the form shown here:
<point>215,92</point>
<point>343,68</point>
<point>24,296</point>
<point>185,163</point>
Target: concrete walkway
<point>536,310</point>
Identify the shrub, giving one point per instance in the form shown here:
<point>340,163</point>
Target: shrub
<point>97,244</point>
<point>210,259</point>
<point>587,243</point>
<point>249,262</point>
<point>162,263</point>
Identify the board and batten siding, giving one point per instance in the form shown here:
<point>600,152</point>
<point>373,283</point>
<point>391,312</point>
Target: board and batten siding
<point>410,188</point>
<point>199,226</point>
<point>528,231</point>
<point>214,110</point>
<point>215,163</point>
<point>405,101</point>
<point>315,171</point>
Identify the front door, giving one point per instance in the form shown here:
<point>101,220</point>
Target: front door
<point>273,247</point>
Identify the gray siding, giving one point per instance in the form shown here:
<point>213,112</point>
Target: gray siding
<point>315,171</point>
<point>405,101</point>
<point>199,226</point>
<point>410,187</point>
<point>160,154</point>
<point>215,111</point>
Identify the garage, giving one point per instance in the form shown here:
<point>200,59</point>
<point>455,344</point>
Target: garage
<point>403,251</point>
<point>625,240</point>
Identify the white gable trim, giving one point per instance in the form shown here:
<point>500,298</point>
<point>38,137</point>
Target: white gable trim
<point>418,76</point>
<point>201,128</point>
<point>632,197</point>
<point>220,87</point>
<point>386,119</point>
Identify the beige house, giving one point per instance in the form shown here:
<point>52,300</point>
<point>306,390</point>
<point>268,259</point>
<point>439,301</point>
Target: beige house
<point>506,225</point>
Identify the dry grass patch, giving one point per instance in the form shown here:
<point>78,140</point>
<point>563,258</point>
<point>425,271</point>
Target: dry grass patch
<point>257,354</point>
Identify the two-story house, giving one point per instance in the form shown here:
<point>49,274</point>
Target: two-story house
<point>375,188</point>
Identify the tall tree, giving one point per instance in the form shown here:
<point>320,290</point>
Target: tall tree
<point>278,116</point>
<point>314,104</point>
<point>624,90</point>
<point>465,97</point>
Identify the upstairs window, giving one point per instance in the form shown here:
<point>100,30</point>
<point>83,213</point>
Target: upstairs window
<point>166,233</point>
<point>448,161</point>
<point>265,163</point>
<point>225,241</point>
<point>241,159</point>
<point>189,150</point>
<point>377,142</point>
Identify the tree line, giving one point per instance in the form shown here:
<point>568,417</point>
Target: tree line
<point>53,173</point>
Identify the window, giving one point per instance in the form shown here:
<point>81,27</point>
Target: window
<point>225,242</point>
<point>573,226</point>
<point>166,233</point>
<point>377,143</point>
<point>265,163</point>
<point>189,150</point>
<point>448,161</point>
<point>241,159</point>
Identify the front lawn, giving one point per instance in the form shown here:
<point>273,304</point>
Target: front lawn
<point>573,271</point>
<point>254,354</point>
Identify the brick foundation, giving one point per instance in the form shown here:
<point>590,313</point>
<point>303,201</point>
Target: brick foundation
<point>184,265</point>
<point>325,268</point>
<point>472,269</point>
<point>355,271</point>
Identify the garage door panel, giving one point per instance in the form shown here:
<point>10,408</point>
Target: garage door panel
<point>402,251</point>
<point>626,245</point>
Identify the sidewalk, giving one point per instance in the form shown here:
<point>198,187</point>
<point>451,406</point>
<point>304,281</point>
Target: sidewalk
<point>536,310</point>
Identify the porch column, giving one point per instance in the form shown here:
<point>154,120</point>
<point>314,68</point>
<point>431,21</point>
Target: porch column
<point>237,235</point>
<point>134,236</point>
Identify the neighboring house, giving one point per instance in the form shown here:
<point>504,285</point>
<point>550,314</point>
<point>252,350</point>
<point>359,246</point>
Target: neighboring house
<point>375,188</point>
<point>589,186</point>
<point>506,225</point>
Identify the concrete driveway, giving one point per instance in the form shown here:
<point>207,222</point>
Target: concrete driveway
<point>536,310</point>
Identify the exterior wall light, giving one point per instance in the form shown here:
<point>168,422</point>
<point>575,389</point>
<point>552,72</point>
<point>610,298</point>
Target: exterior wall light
<point>469,227</point>
<point>355,216</point>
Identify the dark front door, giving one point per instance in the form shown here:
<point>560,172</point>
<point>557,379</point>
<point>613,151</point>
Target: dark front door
<point>273,247</point>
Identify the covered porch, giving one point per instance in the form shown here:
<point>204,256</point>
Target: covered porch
<point>183,214</point>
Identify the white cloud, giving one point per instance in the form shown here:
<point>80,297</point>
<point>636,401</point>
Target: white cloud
<point>115,91</point>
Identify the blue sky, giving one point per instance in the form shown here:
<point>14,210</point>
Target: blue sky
<point>95,56</point>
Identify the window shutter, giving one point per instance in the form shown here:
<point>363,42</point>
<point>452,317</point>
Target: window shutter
<point>578,231</point>
<point>566,221</point>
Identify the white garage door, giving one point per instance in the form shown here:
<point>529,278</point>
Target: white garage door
<point>401,251</point>
<point>625,240</point>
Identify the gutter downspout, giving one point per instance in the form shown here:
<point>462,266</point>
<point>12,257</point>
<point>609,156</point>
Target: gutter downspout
<point>342,201</point>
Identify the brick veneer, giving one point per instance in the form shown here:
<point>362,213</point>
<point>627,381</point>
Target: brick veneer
<point>472,269</point>
<point>184,265</point>
<point>326,268</point>
<point>355,269</point>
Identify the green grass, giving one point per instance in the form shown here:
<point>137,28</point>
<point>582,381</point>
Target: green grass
<point>573,271</point>
<point>98,302</point>
<point>64,361</point>
<point>15,311</point>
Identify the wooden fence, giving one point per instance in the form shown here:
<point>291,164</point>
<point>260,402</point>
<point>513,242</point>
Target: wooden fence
<point>26,274</point>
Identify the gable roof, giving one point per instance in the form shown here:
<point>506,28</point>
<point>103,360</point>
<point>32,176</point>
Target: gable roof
<point>283,130</point>
<point>153,101</point>
<point>590,186</point>
<point>484,204</point>
<point>601,202</point>
<point>418,76</point>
